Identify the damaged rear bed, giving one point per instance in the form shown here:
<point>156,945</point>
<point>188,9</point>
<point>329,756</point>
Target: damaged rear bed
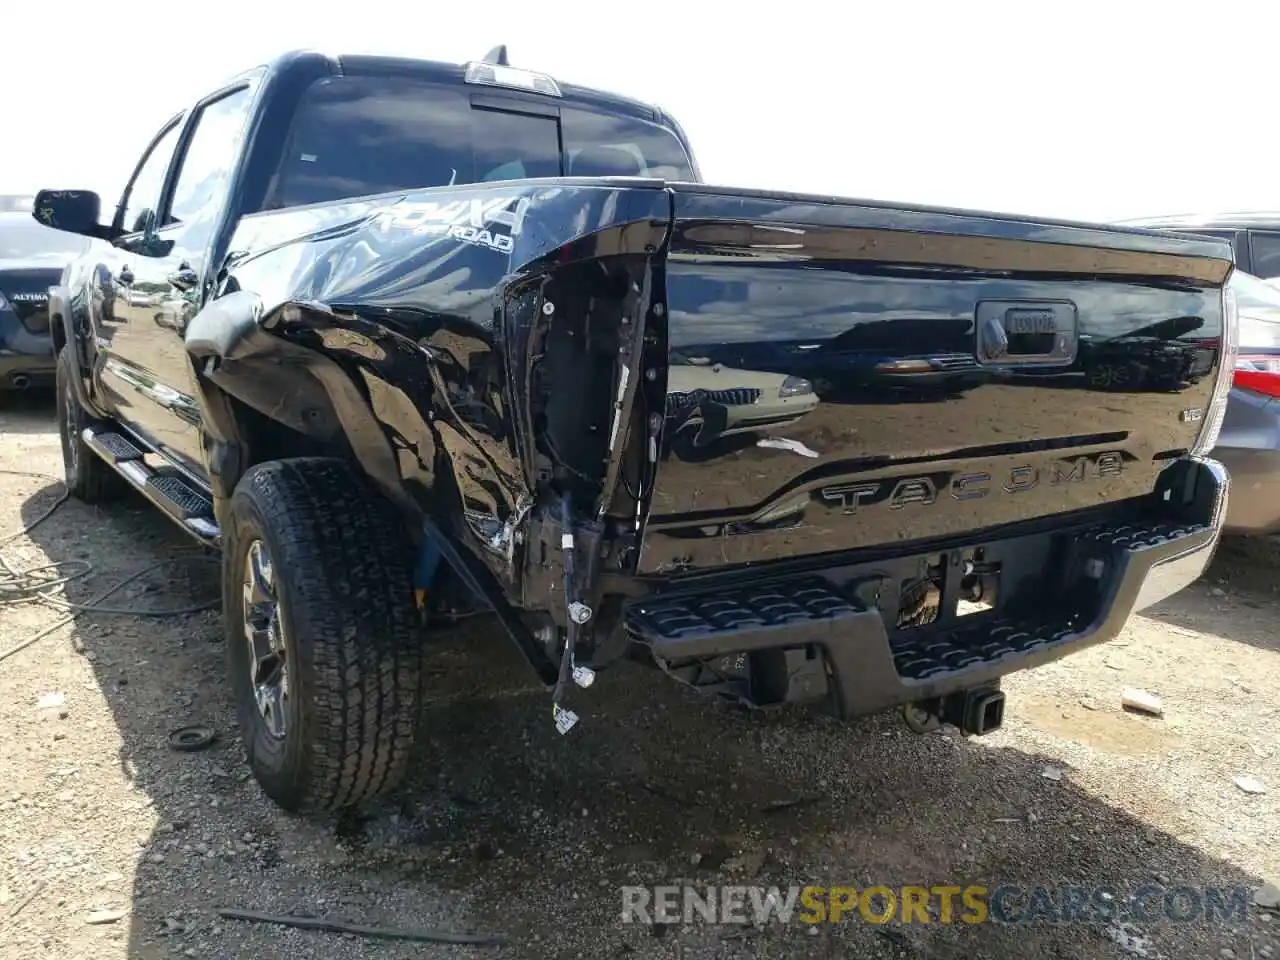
<point>796,447</point>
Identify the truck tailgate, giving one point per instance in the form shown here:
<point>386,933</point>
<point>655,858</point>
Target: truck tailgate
<point>845,375</point>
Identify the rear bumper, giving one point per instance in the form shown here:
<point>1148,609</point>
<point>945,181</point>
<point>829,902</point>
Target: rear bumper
<point>18,372</point>
<point>830,637</point>
<point>26,358</point>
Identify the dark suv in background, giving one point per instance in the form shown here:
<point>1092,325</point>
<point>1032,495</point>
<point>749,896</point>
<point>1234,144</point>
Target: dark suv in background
<point>31,261</point>
<point>1254,236</point>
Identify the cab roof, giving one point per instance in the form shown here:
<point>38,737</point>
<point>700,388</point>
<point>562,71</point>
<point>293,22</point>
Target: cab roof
<point>356,64</point>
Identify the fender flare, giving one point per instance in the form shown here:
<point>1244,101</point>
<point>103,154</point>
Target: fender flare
<point>237,356</point>
<point>63,333</point>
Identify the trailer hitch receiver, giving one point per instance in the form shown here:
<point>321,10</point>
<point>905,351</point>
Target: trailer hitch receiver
<point>973,712</point>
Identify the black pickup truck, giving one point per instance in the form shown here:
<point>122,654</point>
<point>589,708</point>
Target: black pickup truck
<point>408,341</point>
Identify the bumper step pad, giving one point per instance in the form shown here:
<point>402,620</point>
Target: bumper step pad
<point>957,650</point>
<point>874,667</point>
<point>793,603</point>
<point>1144,536</point>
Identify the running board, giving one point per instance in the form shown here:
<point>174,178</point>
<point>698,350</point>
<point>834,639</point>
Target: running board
<point>187,506</point>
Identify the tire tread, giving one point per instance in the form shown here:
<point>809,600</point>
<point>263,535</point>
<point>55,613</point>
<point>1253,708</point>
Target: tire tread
<point>95,480</point>
<point>342,552</point>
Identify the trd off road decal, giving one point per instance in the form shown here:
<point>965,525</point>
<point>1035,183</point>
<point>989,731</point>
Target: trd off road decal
<point>471,221</point>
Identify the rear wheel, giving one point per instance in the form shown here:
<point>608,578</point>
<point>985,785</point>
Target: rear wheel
<point>322,643</point>
<point>88,477</point>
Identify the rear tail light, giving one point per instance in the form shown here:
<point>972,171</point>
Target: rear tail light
<point>1208,438</point>
<point>1259,374</point>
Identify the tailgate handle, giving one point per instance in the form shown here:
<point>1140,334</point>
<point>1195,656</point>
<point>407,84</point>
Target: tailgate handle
<point>1012,333</point>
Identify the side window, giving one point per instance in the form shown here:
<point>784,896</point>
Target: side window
<point>143,194</point>
<point>1266,253</point>
<point>211,153</point>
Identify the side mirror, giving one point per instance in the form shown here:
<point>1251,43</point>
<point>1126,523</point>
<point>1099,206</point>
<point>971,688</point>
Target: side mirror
<point>74,211</point>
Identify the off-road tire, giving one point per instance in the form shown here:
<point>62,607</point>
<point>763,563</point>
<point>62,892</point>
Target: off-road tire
<point>87,476</point>
<point>341,566</point>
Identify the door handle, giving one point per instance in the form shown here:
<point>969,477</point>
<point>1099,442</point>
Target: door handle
<point>125,276</point>
<point>184,278</point>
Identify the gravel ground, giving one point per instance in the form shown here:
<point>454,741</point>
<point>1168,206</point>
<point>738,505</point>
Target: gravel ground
<point>506,827</point>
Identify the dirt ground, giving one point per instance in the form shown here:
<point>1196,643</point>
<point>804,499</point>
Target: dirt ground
<point>114,845</point>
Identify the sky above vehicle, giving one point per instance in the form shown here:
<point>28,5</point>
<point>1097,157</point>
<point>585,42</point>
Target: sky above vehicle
<point>1088,110</point>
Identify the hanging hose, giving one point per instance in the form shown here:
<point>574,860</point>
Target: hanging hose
<point>571,628</point>
<point>576,614</point>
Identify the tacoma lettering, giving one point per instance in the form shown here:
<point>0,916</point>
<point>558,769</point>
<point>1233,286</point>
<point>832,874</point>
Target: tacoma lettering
<point>901,491</point>
<point>1075,475</point>
<point>848,495</point>
<point>1022,478</point>
<point>913,491</point>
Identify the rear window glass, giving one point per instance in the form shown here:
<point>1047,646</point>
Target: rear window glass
<point>356,136</point>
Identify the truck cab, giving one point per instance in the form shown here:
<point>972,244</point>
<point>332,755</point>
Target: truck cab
<point>304,130</point>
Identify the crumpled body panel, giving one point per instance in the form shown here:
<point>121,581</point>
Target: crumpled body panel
<point>428,303</point>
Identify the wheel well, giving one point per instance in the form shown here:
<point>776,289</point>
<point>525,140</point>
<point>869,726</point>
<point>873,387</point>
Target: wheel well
<point>257,413</point>
<point>291,402</point>
<point>57,332</point>
<point>260,438</point>
<point>266,438</point>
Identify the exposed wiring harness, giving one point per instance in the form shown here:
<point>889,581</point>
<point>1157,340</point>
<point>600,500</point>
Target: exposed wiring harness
<point>45,582</point>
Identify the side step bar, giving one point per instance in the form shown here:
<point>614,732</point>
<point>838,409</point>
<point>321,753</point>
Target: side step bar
<point>168,490</point>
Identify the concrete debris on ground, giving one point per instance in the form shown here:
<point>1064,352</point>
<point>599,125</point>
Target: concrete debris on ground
<point>1132,698</point>
<point>98,917</point>
<point>1250,784</point>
